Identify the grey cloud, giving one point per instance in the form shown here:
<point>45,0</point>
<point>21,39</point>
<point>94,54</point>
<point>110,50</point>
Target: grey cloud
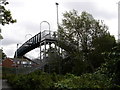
<point>29,27</point>
<point>18,35</point>
<point>79,5</point>
<point>33,28</point>
<point>10,52</point>
<point>91,8</point>
<point>16,3</point>
<point>10,41</point>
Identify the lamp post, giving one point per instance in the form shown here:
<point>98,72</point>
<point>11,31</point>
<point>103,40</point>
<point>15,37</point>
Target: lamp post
<point>16,59</point>
<point>57,14</point>
<point>57,28</point>
<point>17,49</point>
<point>17,56</point>
<point>119,21</point>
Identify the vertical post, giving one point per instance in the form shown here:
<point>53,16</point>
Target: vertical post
<point>16,58</point>
<point>40,40</point>
<point>44,55</point>
<point>40,44</point>
<point>57,15</point>
<point>48,55</point>
<point>16,50</point>
<point>119,21</point>
<point>1,45</point>
<point>58,28</point>
<point>45,49</point>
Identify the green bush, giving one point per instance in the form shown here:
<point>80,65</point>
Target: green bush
<point>88,80</point>
<point>34,81</point>
<point>40,81</point>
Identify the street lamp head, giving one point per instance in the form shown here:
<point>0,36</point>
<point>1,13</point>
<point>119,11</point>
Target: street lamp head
<point>57,3</point>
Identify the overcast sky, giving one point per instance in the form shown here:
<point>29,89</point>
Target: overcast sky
<point>29,14</point>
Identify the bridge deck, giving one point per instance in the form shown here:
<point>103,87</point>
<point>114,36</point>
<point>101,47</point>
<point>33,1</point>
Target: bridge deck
<point>33,43</point>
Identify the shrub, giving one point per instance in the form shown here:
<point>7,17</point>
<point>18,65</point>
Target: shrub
<point>34,81</point>
<point>87,80</point>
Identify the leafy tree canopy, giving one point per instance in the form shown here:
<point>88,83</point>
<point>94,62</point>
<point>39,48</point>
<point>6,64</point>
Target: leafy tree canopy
<point>5,15</point>
<point>84,38</point>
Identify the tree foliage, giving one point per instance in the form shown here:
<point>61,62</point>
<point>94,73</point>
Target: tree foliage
<point>113,64</point>
<point>54,60</point>
<point>5,15</point>
<point>84,38</point>
<point>102,44</point>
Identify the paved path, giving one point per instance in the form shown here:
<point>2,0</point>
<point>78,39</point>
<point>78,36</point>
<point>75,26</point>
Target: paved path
<point>5,85</point>
<point>0,84</point>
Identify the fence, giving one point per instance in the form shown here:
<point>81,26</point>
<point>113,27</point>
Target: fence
<point>19,70</point>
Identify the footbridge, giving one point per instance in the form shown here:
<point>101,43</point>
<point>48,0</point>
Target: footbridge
<point>45,41</point>
<point>43,38</point>
<point>40,39</point>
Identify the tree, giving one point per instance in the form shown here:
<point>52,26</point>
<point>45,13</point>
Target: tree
<point>78,33</point>
<point>2,55</point>
<point>5,15</point>
<point>53,61</point>
<point>113,64</point>
<point>102,44</point>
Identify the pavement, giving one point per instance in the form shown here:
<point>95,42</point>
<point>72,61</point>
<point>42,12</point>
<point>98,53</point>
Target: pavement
<point>0,84</point>
<point>5,85</point>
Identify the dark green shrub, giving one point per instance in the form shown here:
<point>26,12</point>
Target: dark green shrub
<point>34,81</point>
<point>88,80</point>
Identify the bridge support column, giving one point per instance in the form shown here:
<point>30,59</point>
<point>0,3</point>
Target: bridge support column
<point>40,54</point>
<point>45,49</point>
